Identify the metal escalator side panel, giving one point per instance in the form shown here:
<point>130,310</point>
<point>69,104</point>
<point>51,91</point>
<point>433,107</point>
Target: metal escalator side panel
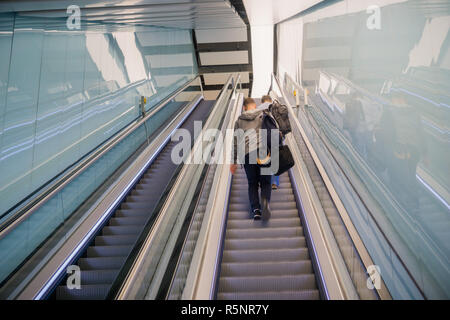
<point>136,212</point>
<point>144,279</point>
<point>201,113</point>
<point>201,276</point>
<point>99,214</point>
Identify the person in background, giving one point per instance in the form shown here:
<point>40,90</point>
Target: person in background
<point>266,101</point>
<point>251,119</point>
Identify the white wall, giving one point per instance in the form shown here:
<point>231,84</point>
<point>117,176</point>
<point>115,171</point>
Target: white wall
<point>262,54</point>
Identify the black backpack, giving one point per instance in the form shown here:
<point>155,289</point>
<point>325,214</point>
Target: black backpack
<point>281,115</point>
<point>286,161</point>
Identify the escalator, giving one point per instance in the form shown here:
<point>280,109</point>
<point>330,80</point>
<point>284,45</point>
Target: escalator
<point>103,259</point>
<point>303,252</point>
<point>265,259</point>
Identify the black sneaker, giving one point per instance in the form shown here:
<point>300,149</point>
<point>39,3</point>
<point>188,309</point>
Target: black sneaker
<point>266,212</point>
<point>256,214</point>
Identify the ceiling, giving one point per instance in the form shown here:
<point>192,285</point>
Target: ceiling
<point>270,12</point>
<point>221,30</point>
<point>186,14</point>
<point>221,36</point>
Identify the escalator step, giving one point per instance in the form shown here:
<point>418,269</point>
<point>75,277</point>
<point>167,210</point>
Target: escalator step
<point>123,213</point>
<point>98,276</point>
<point>108,251</point>
<point>285,191</point>
<point>265,255</point>
<point>87,292</point>
<point>280,295</point>
<point>150,197</point>
<point>137,205</point>
<point>244,205</point>
<point>266,243</point>
<point>258,233</point>
<point>135,221</point>
<point>267,283</point>
<point>277,223</point>
<point>278,197</point>
<point>121,230</point>
<point>101,263</point>
<point>121,240</point>
<point>245,214</point>
<point>266,268</point>
<point>144,192</point>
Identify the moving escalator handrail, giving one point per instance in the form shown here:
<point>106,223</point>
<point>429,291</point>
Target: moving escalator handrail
<point>44,196</point>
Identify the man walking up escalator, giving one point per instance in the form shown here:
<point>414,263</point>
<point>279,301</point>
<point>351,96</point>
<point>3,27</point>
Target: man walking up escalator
<point>248,138</point>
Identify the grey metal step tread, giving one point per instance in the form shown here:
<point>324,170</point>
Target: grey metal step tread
<point>273,222</point>
<point>245,214</point>
<point>282,185</point>
<point>121,230</point>
<point>265,255</point>
<point>244,205</point>
<point>98,276</point>
<point>265,243</point>
<point>101,263</point>
<point>275,295</point>
<point>276,197</point>
<point>108,251</point>
<point>143,197</point>
<point>138,205</point>
<point>244,186</point>
<point>258,233</point>
<point>267,283</point>
<point>124,213</point>
<point>144,187</point>
<point>86,292</point>
<point>277,191</point>
<point>127,221</point>
<point>266,268</point>
<point>117,240</point>
<point>243,180</point>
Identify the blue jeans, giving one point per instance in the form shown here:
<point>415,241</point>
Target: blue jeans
<point>255,178</point>
<point>276,180</point>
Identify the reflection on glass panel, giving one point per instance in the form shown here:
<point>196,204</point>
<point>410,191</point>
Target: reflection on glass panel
<point>6,32</point>
<point>381,105</point>
<point>65,92</point>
